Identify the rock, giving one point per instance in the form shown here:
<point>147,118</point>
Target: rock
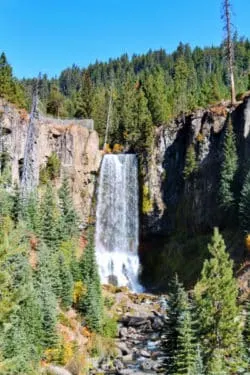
<point>157,324</point>
<point>145,354</point>
<point>123,348</point>
<point>127,358</point>
<point>118,364</point>
<point>55,370</point>
<point>74,141</point>
<point>123,332</point>
<point>147,365</point>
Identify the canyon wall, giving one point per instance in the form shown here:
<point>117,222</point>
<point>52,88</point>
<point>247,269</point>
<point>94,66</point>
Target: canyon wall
<point>75,143</point>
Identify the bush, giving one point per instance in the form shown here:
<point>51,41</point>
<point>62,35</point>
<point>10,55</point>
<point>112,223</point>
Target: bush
<point>52,169</point>
<point>110,327</point>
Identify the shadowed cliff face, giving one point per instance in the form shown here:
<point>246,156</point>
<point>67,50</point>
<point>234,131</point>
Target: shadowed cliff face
<point>75,144</point>
<point>191,205</point>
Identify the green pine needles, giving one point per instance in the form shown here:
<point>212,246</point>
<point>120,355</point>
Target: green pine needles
<point>228,169</point>
<point>92,303</point>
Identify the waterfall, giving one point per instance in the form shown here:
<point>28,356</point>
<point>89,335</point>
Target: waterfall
<point>30,173</point>
<point>117,226</point>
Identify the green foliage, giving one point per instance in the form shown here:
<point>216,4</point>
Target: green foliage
<point>10,88</point>
<point>52,169</point>
<point>219,317</point>
<point>109,326</point>
<point>177,305</point>
<point>228,169</point>
<point>55,102</point>
<point>91,304</point>
<point>190,162</point>
<point>49,216</point>
<point>147,204</point>
<point>185,356</point>
<point>84,106</point>
<point>244,205</point>
<point>66,283</point>
<point>247,332</point>
<point>69,222</point>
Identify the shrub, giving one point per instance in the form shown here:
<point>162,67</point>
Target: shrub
<point>52,169</point>
<point>147,204</point>
<point>110,327</point>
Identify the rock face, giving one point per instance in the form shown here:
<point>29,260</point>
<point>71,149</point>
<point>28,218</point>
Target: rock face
<point>75,143</point>
<point>191,205</point>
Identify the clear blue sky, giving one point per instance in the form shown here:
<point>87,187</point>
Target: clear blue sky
<point>49,35</point>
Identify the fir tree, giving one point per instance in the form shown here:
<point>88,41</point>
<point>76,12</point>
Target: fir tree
<point>49,218</point>
<point>177,304</point>
<point>219,316</point>
<point>247,332</point>
<point>66,282</point>
<point>198,365</point>
<point>228,169</point>
<point>44,279</point>
<point>185,356</point>
<point>244,205</point>
<point>91,304</point>
<point>85,97</point>
<point>68,218</point>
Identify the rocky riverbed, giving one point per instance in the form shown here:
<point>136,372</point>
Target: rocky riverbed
<point>138,343</point>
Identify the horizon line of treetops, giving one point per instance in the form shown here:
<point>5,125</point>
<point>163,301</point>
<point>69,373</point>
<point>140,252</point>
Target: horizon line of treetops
<point>147,91</point>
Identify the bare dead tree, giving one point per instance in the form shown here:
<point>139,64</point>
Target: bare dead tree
<point>226,16</point>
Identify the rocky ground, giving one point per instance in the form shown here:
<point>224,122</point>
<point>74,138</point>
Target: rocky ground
<point>138,344</point>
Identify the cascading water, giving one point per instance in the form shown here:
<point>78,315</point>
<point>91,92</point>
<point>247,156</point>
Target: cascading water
<point>117,227</point>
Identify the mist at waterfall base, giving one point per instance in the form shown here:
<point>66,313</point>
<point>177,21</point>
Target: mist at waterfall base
<point>117,225</point>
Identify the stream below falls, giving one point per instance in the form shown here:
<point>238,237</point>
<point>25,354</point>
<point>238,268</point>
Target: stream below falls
<point>139,343</point>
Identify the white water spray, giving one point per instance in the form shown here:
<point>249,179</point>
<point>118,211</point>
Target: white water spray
<point>117,227</point>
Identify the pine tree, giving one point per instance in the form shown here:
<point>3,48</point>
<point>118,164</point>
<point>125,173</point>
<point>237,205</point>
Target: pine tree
<point>177,304</point>
<point>156,92</point>
<point>228,169</point>
<point>190,162</point>
<point>68,218</point>
<point>185,356</point>
<point>49,218</point>
<point>91,304</point>
<point>198,365</point>
<point>44,278</point>
<point>85,98</point>
<point>219,316</point>
<point>66,283</point>
<point>244,205</point>
<point>247,332</point>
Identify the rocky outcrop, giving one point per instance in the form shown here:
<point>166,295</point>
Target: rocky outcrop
<point>191,205</point>
<point>75,143</point>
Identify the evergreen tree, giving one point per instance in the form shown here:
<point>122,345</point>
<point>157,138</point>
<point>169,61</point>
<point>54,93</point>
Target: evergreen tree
<point>66,282</point>
<point>190,162</point>
<point>85,98</point>
<point>177,304</point>
<point>185,356</point>
<point>44,279</point>
<point>68,218</point>
<point>247,332</point>
<point>91,304</point>
<point>49,218</point>
<point>55,104</point>
<point>198,365</point>
<point>17,204</point>
<point>228,169</point>
<point>219,316</point>
<point>244,205</point>
<point>156,93</point>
